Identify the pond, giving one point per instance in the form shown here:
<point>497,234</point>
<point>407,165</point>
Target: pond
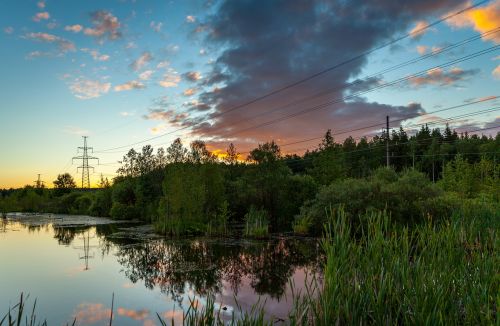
<point>73,265</point>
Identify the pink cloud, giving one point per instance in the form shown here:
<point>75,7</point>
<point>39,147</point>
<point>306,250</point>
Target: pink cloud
<point>74,28</point>
<point>64,45</point>
<point>41,16</point>
<point>90,313</point>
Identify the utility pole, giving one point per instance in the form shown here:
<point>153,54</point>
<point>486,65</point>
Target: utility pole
<point>39,183</point>
<point>387,142</point>
<point>85,167</point>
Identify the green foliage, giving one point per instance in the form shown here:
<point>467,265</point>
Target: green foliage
<point>470,179</point>
<point>218,223</point>
<point>440,275</point>
<point>102,202</point>
<point>302,224</point>
<point>193,193</point>
<point>409,197</point>
<point>256,223</point>
<point>64,184</point>
<point>123,211</point>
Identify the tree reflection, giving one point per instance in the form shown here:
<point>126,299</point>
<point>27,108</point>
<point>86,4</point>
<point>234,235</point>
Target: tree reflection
<point>203,264</point>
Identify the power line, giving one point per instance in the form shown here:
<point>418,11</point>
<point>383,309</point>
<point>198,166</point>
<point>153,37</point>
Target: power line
<point>368,78</point>
<point>393,121</point>
<point>394,82</point>
<point>301,81</point>
<point>382,145</point>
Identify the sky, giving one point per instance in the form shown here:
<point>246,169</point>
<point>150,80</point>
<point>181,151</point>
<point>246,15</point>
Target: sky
<point>129,73</point>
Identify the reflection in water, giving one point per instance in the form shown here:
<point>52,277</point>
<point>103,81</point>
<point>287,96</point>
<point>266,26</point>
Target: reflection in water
<point>134,262</point>
<point>204,264</point>
<point>86,249</point>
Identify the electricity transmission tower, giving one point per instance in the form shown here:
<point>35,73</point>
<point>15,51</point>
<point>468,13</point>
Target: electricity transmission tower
<point>39,183</point>
<point>86,249</point>
<point>85,167</point>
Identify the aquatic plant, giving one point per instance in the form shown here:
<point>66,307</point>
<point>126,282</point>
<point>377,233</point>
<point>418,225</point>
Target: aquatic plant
<point>256,223</point>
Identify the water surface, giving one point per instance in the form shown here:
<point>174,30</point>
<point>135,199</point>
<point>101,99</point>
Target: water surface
<point>73,265</point>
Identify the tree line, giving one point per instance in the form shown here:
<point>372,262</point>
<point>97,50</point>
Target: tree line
<point>189,190</point>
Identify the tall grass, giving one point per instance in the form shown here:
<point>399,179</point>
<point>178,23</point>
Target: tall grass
<point>256,223</point>
<point>428,275</point>
<point>208,315</point>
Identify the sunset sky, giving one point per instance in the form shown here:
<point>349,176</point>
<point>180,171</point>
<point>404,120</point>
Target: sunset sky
<point>124,71</point>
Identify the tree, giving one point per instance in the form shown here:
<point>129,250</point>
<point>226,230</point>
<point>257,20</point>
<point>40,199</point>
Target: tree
<point>64,183</point>
<point>129,164</point>
<point>231,155</point>
<point>265,153</point>
<point>199,153</point>
<point>104,183</point>
<point>327,141</point>
<point>176,152</point>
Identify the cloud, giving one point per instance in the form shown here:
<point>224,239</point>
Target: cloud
<point>163,64</point>
<point>419,29</point>
<point>257,58</point>
<point>481,19</point>
<point>91,313</point>
<point>130,45</point>
<point>87,89</point>
<point>496,72</point>
<point>192,76</point>
<point>189,92</point>
<point>422,49</point>
<point>41,4</point>
<point>190,19</point>
<point>52,25</point>
<point>105,26</point>
<point>41,16</point>
<point>169,116</point>
<point>96,55</point>
<point>64,45</point>
<point>74,28</point>
<point>142,61</point>
<point>133,314</point>
<point>38,54</point>
<point>170,79</point>
<point>442,77</point>
<point>133,84</point>
<point>172,49</point>
<point>127,114</point>
<point>8,30</point>
<point>156,26</point>
<point>146,75</point>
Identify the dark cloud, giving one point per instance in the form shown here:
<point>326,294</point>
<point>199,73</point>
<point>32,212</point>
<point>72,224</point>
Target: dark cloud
<point>268,44</point>
<point>192,76</point>
<point>169,116</point>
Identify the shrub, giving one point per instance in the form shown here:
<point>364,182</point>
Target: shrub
<point>123,211</point>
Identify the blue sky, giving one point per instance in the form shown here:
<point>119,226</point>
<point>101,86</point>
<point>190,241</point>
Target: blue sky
<point>125,71</point>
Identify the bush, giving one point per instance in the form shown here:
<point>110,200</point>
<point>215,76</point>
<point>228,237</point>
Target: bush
<point>123,211</point>
<point>409,198</point>
<point>101,205</point>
